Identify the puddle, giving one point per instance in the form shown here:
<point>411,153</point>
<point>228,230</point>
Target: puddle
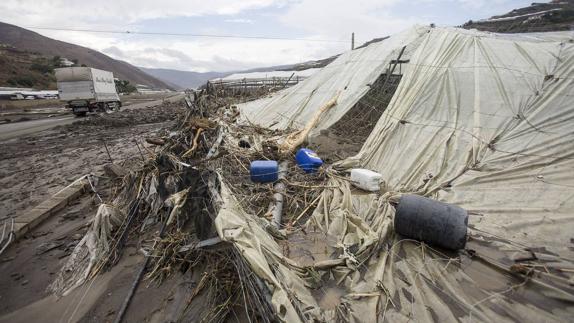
<point>329,295</point>
<point>308,247</point>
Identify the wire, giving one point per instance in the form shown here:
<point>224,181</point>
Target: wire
<point>185,34</point>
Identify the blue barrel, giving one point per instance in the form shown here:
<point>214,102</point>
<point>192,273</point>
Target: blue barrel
<point>308,160</point>
<point>264,171</point>
<point>436,223</point>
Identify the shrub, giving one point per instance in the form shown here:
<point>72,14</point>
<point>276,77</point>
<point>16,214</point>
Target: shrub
<point>123,86</point>
<point>42,68</point>
<point>23,80</point>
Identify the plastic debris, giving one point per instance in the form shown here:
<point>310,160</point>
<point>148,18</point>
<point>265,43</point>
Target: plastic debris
<point>436,223</point>
<point>308,160</point>
<point>366,179</point>
<point>264,171</point>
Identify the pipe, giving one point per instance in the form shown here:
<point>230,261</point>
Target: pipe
<point>137,280</point>
<point>279,197</point>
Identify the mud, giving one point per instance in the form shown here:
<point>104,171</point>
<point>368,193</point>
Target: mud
<point>37,166</point>
<point>34,167</point>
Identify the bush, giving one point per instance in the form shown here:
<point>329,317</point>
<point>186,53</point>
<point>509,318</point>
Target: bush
<point>123,86</point>
<point>24,80</point>
<point>42,68</point>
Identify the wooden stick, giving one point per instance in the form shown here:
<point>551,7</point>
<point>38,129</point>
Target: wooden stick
<point>298,137</point>
<point>305,210</point>
<point>109,155</point>
<point>194,146</point>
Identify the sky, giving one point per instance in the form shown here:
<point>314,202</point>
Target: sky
<point>319,28</point>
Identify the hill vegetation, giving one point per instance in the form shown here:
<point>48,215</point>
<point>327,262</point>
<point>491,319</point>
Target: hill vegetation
<point>28,41</point>
<point>25,69</point>
<point>538,17</point>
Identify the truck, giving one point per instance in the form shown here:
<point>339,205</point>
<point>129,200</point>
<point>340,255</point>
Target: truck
<point>87,89</point>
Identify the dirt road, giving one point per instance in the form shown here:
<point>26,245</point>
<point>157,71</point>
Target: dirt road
<point>18,129</point>
<point>37,165</point>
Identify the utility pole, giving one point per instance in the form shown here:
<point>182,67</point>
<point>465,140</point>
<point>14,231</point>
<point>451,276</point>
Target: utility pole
<point>352,41</point>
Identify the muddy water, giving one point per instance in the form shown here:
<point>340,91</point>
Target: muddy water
<point>312,246</point>
<point>329,295</point>
<point>309,247</point>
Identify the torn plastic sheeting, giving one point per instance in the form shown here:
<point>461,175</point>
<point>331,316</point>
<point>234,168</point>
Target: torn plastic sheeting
<point>351,73</point>
<point>287,282</point>
<point>176,202</point>
<point>479,120</point>
<point>93,246</point>
<point>469,107</point>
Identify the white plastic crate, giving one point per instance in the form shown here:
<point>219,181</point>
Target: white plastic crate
<point>366,179</point>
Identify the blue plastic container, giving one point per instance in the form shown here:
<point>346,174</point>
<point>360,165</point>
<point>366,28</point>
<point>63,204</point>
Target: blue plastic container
<point>308,160</point>
<point>264,171</point>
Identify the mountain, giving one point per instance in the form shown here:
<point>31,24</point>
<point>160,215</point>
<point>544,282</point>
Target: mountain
<point>186,80</point>
<point>538,17</point>
<point>29,41</point>
<point>183,79</point>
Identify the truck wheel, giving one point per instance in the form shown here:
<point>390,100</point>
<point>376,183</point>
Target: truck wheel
<point>80,114</point>
<point>107,108</point>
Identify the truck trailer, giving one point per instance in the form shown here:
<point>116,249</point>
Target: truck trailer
<point>87,89</point>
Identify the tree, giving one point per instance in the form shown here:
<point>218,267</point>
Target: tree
<point>124,86</point>
<point>42,68</point>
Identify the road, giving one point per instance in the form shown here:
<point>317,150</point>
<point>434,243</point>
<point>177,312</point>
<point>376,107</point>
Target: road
<point>18,129</point>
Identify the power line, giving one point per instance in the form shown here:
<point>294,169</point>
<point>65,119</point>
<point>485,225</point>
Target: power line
<point>128,32</point>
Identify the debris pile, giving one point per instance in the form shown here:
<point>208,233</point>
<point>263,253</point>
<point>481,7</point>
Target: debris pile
<point>169,204</point>
<point>312,245</point>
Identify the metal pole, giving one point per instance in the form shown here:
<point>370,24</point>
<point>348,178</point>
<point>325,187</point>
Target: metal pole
<point>352,41</point>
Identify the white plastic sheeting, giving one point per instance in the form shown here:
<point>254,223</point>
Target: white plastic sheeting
<point>92,248</point>
<point>485,122</point>
<point>482,121</point>
<point>351,73</point>
<point>479,120</point>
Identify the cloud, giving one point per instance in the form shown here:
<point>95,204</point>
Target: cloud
<point>240,21</point>
<point>339,18</point>
<point>215,55</point>
<point>73,12</point>
<point>307,19</point>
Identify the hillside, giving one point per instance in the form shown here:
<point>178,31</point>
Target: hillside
<point>186,79</point>
<point>25,40</point>
<point>538,17</point>
<point>25,69</point>
<point>183,79</point>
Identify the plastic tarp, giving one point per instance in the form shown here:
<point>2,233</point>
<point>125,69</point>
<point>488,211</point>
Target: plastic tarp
<point>485,122</point>
<point>351,73</point>
<point>482,121</point>
<point>479,120</point>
